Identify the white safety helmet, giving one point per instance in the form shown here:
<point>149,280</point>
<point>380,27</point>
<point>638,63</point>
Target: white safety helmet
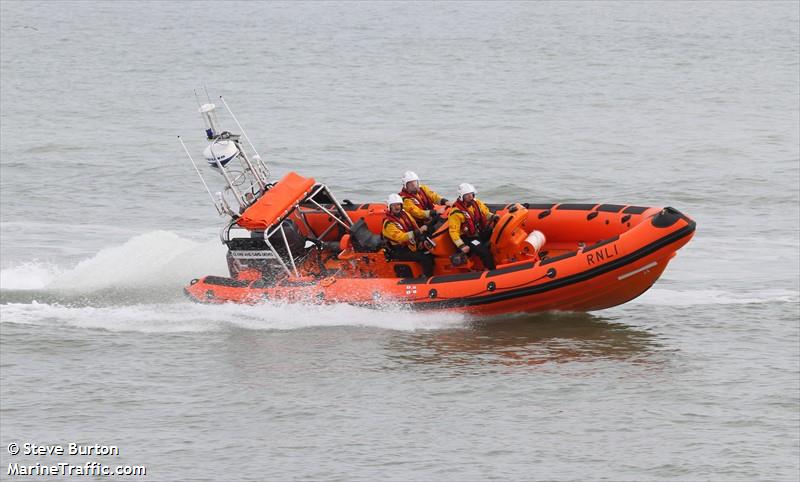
<point>394,199</point>
<point>409,176</point>
<point>466,188</point>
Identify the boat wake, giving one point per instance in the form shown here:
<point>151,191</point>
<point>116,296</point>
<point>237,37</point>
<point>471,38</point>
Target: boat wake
<point>152,261</point>
<point>138,286</point>
<point>190,317</point>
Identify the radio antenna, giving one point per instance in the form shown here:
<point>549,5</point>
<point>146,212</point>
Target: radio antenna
<point>214,201</point>
<point>257,157</point>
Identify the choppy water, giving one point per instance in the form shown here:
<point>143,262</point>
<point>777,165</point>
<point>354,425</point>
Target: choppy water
<point>693,105</point>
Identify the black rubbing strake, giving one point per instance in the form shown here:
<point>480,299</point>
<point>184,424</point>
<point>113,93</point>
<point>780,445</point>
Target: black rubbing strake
<point>413,281</point>
<point>600,243</point>
<point>576,207</point>
<point>610,208</point>
<point>456,277</point>
<point>558,258</point>
<point>510,269</point>
<point>220,281</point>
<point>635,210</point>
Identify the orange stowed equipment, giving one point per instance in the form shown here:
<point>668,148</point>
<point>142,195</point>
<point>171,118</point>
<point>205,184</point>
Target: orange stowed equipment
<point>346,248</point>
<point>532,244</point>
<point>508,235</point>
<point>277,202</point>
<point>510,241</point>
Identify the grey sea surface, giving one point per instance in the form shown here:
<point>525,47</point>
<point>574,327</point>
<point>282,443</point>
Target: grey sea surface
<point>694,105</point>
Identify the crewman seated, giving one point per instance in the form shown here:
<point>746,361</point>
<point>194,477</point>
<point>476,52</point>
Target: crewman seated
<point>419,200</point>
<point>471,225</point>
<point>405,239</point>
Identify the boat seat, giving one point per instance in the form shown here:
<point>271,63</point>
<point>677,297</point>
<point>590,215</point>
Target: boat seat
<point>363,239</point>
<point>344,243</point>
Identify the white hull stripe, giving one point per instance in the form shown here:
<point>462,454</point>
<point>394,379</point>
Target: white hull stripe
<point>637,271</point>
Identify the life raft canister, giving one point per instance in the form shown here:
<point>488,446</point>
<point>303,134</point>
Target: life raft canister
<point>533,243</point>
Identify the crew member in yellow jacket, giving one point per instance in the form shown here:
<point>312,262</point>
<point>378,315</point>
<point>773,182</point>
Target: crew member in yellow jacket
<point>419,200</point>
<point>471,225</point>
<point>404,236</point>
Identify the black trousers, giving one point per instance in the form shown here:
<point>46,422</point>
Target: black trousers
<point>434,224</point>
<point>481,249</point>
<point>402,253</point>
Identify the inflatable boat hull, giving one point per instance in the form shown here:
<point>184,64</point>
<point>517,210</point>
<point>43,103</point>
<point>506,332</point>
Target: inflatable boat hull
<point>597,256</point>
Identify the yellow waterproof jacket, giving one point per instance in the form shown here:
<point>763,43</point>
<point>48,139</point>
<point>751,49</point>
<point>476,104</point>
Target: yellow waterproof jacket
<point>400,232</point>
<point>412,205</point>
<point>459,224</point>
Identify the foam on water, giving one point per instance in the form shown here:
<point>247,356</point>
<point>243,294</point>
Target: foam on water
<point>190,317</point>
<point>158,259</point>
<point>151,266</point>
<point>28,276</point>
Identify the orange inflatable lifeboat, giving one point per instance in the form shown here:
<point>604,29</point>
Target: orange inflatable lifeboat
<point>292,240</point>
<point>295,242</point>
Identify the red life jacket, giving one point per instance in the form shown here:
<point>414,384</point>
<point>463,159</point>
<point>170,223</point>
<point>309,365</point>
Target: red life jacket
<point>420,198</point>
<point>474,223</point>
<point>403,221</point>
